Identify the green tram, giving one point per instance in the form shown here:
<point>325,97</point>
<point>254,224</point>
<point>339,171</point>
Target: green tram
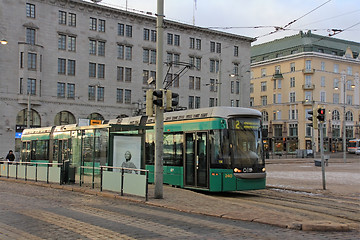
<point>213,149</point>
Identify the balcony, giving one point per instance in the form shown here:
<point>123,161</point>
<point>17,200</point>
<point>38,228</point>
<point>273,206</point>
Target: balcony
<point>308,71</point>
<point>277,76</point>
<point>308,86</point>
<point>307,102</point>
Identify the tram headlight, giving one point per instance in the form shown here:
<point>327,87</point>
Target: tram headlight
<point>236,170</point>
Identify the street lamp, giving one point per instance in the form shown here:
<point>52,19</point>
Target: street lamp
<point>3,42</point>
<point>344,126</point>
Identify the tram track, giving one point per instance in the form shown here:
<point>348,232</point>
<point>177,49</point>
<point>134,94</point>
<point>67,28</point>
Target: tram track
<point>309,205</point>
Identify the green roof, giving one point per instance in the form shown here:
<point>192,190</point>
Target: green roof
<point>302,42</point>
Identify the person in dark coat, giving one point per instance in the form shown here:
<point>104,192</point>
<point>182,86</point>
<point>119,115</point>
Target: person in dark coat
<point>10,157</point>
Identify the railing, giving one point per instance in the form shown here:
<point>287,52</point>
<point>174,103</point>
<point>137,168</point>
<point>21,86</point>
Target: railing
<point>119,179</point>
<point>48,172</point>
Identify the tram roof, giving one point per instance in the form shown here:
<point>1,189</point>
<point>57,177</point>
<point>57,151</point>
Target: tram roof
<point>223,112</point>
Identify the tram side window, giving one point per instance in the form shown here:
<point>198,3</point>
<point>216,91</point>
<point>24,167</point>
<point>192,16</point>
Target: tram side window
<point>40,150</point>
<point>173,149</point>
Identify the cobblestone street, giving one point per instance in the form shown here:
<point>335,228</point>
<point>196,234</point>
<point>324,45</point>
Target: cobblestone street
<point>35,212</point>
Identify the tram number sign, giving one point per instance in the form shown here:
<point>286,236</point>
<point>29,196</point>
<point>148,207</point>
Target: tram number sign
<point>95,122</point>
<point>228,175</point>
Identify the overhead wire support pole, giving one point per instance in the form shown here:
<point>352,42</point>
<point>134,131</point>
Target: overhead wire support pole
<point>159,110</point>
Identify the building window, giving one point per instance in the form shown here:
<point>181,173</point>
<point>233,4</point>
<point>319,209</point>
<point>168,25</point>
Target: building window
<point>236,51</point>
<point>30,36</point>
<point>191,102</point>
<point>120,54</point>
<point>265,116</point>
<point>236,69</point>
<point>211,102</point>
<point>237,89</point>
<point>277,69</point>
<point>146,55</point>
<point>128,53</point>
<point>146,34</point>
<point>127,74</point>
<point>119,95</point>
<point>192,43</point>
<point>279,83</point>
<point>92,70</point>
<point>292,67</point>
<point>349,116</point>
<point>198,63</point>
<point>71,91</point>
<point>336,131</point>
<point>336,83</point>
<point>152,56</point>
<point>322,66</point>
<point>101,48</point>
<point>145,76</point>
<point>153,75</point>
<point>127,96</point>
<point>62,42</point>
<point>101,25</point>
<point>71,43</point>
<point>322,81</point>
<point>263,100</point>
<point>349,100</point>
<point>349,132</point>
<point>251,88</point>
<point>191,82</point>
<point>349,70</point>
<point>71,67</point>
<point>336,98</point>
<point>101,70</point>
<point>91,93</point>
<point>292,82</point>
<point>293,130</point>
<point>212,46</point>
<point>308,81</point>
<point>32,61</point>
<point>198,44</point>
<point>197,83</point>
<point>232,87</point>
<point>72,19</point>
<point>322,97</point>
<point>263,72</point>
<point>61,66</point>
<point>214,65</point>
<point>308,65</point>
<point>212,85</point>
<point>31,86</point>
<point>279,98</point>
<point>120,74</point>
<point>335,115</point>
<point>177,40</point>
<point>197,102</point>
<point>153,35</point>
<point>170,38</point>
<point>92,47</point>
<point>176,80</point>
<point>62,17</point>
<point>251,102</point>
<point>336,68</point>
<point>263,86</point>
<point>218,47</point>
<point>121,29</point>
<point>128,31</point>
<point>100,94</point>
<point>93,24</point>
<point>292,97</point>
<point>30,10</point>
<point>60,90</point>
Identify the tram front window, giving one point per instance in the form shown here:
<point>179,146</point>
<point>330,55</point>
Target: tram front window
<point>245,143</point>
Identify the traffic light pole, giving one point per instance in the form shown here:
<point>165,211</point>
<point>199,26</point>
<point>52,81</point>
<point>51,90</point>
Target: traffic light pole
<point>322,155</point>
<point>159,110</point>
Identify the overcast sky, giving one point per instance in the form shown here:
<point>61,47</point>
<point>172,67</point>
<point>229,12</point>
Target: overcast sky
<point>243,16</point>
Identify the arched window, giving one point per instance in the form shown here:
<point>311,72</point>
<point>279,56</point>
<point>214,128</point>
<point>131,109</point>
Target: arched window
<point>64,118</point>
<point>349,116</point>
<point>95,116</point>
<point>265,116</point>
<point>35,120</point>
<point>335,115</point>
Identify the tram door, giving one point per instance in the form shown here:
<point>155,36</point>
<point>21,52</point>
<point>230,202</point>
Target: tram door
<point>196,163</point>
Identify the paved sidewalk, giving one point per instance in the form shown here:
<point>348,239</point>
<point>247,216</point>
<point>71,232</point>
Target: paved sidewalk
<point>284,174</point>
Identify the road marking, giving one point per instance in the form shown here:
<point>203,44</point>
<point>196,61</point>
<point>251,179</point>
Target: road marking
<point>88,230</point>
<point>10,232</point>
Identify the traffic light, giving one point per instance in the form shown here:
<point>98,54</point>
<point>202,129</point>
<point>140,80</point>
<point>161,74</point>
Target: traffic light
<point>158,100</point>
<point>149,102</point>
<point>321,114</point>
<point>313,119</point>
<point>171,100</point>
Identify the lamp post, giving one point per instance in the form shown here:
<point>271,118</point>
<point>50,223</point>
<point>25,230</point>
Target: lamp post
<point>344,112</point>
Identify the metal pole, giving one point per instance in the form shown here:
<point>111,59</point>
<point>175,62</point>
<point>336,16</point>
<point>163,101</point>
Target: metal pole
<point>159,110</point>
<point>219,82</point>
<point>28,111</point>
<point>313,144</point>
<point>322,155</point>
<point>344,127</point>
